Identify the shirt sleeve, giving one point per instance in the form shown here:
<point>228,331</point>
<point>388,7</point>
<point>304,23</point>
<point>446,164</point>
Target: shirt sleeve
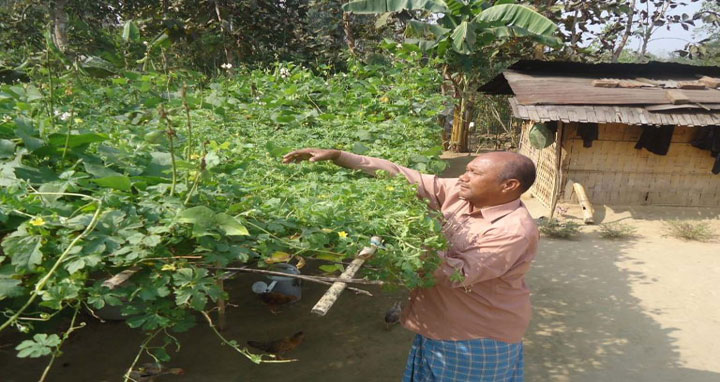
<point>430,187</point>
<point>491,256</point>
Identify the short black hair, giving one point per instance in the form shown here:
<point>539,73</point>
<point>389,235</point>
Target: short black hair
<point>521,168</point>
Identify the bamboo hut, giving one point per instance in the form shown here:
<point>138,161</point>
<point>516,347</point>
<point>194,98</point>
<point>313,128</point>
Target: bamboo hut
<point>631,134</point>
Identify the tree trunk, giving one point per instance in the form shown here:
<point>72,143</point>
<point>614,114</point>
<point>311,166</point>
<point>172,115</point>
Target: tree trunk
<point>228,57</point>
<point>645,41</point>
<point>458,130</point>
<point>462,116</point>
<point>349,38</point>
<point>626,34</point>
<point>60,20</point>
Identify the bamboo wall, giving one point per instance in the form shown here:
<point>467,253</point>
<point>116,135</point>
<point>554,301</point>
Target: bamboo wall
<point>614,172</point>
<point>547,166</point>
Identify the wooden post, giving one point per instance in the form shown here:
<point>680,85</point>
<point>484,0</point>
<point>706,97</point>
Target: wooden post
<point>332,294</point>
<point>588,210</point>
<point>558,168</point>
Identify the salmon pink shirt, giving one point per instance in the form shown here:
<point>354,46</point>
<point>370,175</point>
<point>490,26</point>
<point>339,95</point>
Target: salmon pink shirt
<point>492,249</point>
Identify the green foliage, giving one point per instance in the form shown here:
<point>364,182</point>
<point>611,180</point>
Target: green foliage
<point>466,27</point>
<point>91,145</point>
<point>41,345</point>
<point>688,230</point>
<point>557,229</point>
<point>201,35</point>
<point>617,231</point>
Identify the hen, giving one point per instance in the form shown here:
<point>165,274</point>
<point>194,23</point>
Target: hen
<point>280,346</point>
<point>274,299</point>
<point>149,371</point>
<point>392,316</point>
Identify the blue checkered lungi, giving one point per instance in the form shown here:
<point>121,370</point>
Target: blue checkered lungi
<point>480,360</point>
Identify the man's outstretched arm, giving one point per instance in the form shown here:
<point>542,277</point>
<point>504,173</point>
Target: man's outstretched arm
<point>429,186</point>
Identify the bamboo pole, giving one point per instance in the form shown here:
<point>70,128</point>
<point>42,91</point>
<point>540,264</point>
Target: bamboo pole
<point>328,299</point>
<point>558,169</point>
<point>584,201</point>
<point>315,279</point>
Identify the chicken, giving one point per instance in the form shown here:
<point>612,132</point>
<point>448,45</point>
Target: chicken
<point>392,316</point>
<point>274,299</point>
<point>149,371</point>
<point>281,346</point>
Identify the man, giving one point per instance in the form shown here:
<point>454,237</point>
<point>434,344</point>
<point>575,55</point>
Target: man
<point>470,324</point>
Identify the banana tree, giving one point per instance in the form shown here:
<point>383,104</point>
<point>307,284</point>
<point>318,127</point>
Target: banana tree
<point>463,32</point>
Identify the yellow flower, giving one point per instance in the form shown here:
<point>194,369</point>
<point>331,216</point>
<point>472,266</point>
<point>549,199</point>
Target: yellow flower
<point>78,120</point>
<point>390,188</point>
<point>385,99</point>
<point>37,222</point>
<point>194,156</point>
<point>168,267</point>
<point>342,234</point>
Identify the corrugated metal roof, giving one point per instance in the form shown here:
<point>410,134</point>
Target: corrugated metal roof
<point>564,91</point>
<point>631,115</point>
<point>531,89</point>
<point>651,70</point>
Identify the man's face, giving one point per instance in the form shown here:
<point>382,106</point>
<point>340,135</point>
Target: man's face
<point>480,184</point>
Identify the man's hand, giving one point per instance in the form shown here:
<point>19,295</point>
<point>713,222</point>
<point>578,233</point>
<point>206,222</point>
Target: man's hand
<point>313,155</point>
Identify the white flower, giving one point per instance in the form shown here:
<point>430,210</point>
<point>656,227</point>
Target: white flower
<point>145,43</point>
<point>226,66</point>
<point>63,116</point>
<point>399,46</point>
<point>284,73</point>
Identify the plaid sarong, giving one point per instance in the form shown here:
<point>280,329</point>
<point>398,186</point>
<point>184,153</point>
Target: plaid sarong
<point>480,360</point>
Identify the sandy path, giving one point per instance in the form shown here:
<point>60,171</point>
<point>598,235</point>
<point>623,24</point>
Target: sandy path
<point>643,310</point>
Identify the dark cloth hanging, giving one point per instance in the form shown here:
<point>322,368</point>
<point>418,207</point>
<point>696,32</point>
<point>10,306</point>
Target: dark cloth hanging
<point>588,132</point>
<point>656,139</point>
<point>708,138</point>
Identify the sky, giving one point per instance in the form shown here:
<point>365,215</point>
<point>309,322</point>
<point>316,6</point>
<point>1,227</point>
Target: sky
<point>664,41</point>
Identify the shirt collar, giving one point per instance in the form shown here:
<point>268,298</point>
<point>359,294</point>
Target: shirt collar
<point>494,213</point>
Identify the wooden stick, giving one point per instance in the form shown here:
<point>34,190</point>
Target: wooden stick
<point>588,210</point>
<point>697,85</point>
<point>315,279</point>
<point>328,299</point>
<point>605,83</point>
<point>677,97</point>
<point>120,278</point>
<point>710,82</point>
<point>222,319</point>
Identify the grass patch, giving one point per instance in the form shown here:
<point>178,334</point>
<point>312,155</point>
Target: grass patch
<point>689,230</point>
<point>617,231</point>
<point>560,230</point>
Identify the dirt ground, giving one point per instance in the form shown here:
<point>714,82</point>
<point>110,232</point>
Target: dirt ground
<point>646,309</point>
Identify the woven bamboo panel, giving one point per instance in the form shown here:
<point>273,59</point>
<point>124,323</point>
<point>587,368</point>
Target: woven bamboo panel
<point>546,164</point>
<point>614,172</point>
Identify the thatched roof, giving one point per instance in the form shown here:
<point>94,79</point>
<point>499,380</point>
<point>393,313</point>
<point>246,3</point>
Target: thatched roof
<point>640,94</point>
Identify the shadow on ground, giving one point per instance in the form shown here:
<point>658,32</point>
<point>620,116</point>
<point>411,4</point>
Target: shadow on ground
<point>587,326</point>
